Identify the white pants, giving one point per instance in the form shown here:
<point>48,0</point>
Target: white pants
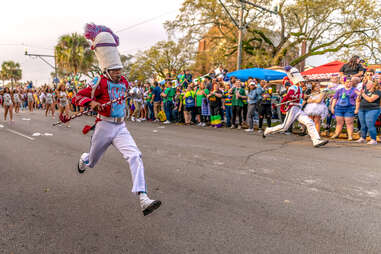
<point>107,133</point>
<point>295,113</point>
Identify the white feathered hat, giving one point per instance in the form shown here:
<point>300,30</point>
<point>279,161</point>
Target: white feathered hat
<point>294,75</point>
<point>104,43</point>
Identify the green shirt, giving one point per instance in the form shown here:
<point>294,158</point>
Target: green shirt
<point>149,97</point>
<point>170,92</point>
<point>199,97</point>
<point>237,101</point>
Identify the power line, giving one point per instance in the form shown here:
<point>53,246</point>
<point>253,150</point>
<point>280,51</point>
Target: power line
<point>22,45</point>
<point>146,21</point>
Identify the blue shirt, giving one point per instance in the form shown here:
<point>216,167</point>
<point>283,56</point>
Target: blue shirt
<point>115,91</point>
<point>157,92</point>
<point>253,97</point>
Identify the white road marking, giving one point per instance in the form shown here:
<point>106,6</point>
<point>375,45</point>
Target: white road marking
<point>155,131</point>
<point>36,134</point>
<point>1,126</point>
<point>48,134</point>
<point>20,134</point>
<point>25,119</point>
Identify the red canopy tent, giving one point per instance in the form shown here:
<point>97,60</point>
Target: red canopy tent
<point>324,71</point>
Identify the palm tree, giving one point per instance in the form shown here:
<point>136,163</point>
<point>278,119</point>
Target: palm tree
<point>73,54</point>
<point>10,71</point>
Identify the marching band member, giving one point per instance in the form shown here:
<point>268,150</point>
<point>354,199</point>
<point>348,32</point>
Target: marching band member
<point>111,128</point>
<point>292,104</point>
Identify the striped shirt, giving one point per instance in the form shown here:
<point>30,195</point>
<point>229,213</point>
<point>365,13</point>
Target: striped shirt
<point>228,98</point>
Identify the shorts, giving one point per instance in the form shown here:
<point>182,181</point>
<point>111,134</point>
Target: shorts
<point>345,111</point>
<point>189,109</point>
<point>198,110</point>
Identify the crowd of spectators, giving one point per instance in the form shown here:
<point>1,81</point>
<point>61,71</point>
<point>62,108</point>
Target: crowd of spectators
<point>350,99</point>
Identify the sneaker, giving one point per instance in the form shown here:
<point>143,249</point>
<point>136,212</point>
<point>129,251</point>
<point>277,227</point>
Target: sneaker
<point>203,124</point>
<point>138,120</point>
<point>372,142</point>
<point>133,119</point>
<point>260,131</point>
<point>143,119</point>
<point>148,205</point>
<point>167,122</point>
<point>233,127</point>
<point>199,124</point>
<point>156,120</point>
<point>361,140</point>
<point>82,163</point>
<point>287,133</point>
<point>239,127</point>
<point>320,143</point>
<point>249,130</point>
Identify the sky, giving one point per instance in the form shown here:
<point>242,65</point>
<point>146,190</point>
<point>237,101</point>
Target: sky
<point>36,25</point>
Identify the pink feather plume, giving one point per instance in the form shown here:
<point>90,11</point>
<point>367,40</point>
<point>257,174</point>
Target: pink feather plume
<point>92,30</point>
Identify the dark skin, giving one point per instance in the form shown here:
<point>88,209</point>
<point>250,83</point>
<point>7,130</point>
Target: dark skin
<point>115,76</point>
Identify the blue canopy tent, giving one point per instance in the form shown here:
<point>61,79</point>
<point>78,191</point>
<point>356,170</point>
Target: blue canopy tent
<point>258,73</point>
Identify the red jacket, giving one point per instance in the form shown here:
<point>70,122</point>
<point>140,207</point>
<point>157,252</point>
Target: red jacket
<point>294,96</point>
<point>99,91</point>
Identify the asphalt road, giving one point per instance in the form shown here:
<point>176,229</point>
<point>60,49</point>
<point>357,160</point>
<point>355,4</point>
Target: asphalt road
<point>223,191</point>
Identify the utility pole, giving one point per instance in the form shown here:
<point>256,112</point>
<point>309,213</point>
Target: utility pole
<point>241,26</point>
<point>240,35</point>
<point>45,61</point>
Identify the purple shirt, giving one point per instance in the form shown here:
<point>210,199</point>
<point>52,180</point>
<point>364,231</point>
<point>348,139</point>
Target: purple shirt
<point>350,93</point>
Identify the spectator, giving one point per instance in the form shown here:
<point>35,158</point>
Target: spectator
<point>150,115</point>
<point>168,96</point>
<point>156,98</point>
<point>201,94</point>
<point>215,106</point>
<point>369,110</point>
<point>227,106</point>
<point>238,95</point>
<point>189,102</point>
<point>352,68</point>
<point>264,109</point>
<point>137,94</point>
<point>252,105</point>
<point>343,107</point>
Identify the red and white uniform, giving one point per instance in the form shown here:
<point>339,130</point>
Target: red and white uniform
<point>294,112</point>
<point>294,96</point>
<point>112,130</point>
<point>102,90</point>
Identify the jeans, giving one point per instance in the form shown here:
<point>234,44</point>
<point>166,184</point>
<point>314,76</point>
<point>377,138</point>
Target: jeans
<point>228,112</point>
<point>151,113</point>
<point>250,115</point>
<point>368,120</point>
<point>168,106</point>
